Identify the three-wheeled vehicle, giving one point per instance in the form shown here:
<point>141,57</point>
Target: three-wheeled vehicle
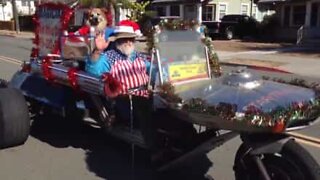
<point>193,111</point>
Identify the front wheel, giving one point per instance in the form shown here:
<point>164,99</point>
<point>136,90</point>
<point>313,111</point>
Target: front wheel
<point>14,118</point>
<point>293,162</point>
<point>229,33</point>
<point>3,83</point>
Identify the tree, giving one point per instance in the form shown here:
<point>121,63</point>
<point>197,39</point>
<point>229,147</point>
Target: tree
<point>139,13</point>
<point>137,9</point>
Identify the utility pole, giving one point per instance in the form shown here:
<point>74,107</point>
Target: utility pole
<point>15,15</point>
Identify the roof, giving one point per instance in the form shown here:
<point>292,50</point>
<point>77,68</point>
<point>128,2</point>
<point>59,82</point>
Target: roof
<point>271,1</point>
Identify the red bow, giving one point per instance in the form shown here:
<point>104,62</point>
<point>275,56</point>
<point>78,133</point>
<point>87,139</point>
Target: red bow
<point>112,87</point>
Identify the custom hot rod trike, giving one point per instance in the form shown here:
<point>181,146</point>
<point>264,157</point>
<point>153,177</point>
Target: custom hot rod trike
<point>194,110</point>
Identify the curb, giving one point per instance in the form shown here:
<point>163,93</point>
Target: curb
<point>20,35</point>
<point>262,68</point>
<point>7,35</point>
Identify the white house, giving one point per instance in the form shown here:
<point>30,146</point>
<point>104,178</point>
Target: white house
<point>24,7</point>
<point>207,10</point>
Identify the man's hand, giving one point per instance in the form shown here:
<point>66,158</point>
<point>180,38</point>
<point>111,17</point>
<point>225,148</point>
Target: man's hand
<point>101,43</point>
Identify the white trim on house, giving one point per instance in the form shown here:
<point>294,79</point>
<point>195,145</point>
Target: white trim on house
<point>307,20</point>
<point>218,11</point>
<point>199,14</point>
<point>181,11</point>
<point>255,11</point>
<point>167,10</point>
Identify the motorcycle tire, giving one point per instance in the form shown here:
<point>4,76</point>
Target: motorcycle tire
<point>292,163</point>
<point>3,83</point>
<point>14,118</point>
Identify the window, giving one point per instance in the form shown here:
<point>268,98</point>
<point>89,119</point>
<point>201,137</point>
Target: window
<point>222,10</point>
<point>244,9</point>
<point>161,10</point>
<point>286,18</point>
<point>24,2</point>
<point>299,15</point>
<point>209,12</point>
<point>175,10</point>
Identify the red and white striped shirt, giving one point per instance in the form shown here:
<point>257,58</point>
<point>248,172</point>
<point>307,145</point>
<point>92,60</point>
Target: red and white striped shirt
<point>131,71</point>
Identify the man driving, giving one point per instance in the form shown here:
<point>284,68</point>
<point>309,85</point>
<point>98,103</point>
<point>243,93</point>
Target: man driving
<point>126,65</point>
<point>131,69</point>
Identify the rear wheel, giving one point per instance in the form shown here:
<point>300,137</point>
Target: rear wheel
<point>14,118</point>
<point>292,163</point>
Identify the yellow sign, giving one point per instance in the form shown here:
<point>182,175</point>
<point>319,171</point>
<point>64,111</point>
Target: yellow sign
<point>183,72</point>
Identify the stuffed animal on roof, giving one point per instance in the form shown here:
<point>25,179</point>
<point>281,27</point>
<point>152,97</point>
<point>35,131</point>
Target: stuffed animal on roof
<point>76,44</point>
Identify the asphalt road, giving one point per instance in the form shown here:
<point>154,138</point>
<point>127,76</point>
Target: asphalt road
<point>58,150</point>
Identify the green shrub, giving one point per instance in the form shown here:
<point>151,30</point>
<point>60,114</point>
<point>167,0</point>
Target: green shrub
<point>267,27</point>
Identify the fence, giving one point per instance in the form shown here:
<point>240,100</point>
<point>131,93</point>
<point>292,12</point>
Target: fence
<point>7,25</point>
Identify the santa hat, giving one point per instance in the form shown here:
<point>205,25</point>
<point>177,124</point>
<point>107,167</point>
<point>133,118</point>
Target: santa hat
<point>134,25</point>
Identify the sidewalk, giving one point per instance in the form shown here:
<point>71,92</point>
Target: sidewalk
<point>22,34</point>
<point>302,65</point>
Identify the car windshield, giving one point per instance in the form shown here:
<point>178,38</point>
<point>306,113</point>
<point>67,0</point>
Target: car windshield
<point>182,56</point>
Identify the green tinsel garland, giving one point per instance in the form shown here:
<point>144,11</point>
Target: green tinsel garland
<point>253,115</point>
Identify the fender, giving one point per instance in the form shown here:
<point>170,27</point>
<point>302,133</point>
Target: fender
<point>265,143</point>
<point>36,87</point>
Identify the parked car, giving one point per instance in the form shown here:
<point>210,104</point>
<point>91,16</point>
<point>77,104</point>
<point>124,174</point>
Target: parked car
<point>231,26</point>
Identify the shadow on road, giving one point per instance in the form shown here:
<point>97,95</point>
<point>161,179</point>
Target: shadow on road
<point>108,157</point>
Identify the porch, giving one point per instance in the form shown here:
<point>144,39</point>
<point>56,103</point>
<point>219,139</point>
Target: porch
<point>297,18</point>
